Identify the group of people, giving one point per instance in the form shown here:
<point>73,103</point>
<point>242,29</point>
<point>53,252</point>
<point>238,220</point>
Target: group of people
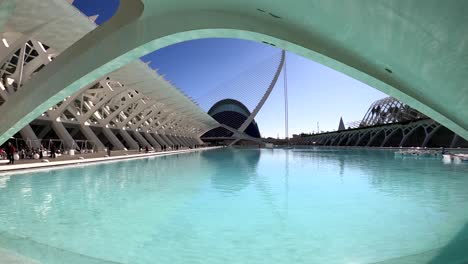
<point>25,152</point>
<point>164,147</point>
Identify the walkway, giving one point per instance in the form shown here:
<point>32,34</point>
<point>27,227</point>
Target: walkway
<point>28,165</point>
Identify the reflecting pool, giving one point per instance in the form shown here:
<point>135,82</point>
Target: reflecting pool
<point>241,206</point>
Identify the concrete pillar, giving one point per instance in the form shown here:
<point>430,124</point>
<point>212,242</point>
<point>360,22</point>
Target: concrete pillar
<point>190,141</point>
<point>62,133</point>
<point>44,132</point>
<point>360,138</point>
<point>407,135</point>
<point>74,131</point>
<point>177,140</point>
<point>168,140</point>
<point>184,141</point>
<point>113,139</point>
<point>151,140</point>
<point>187,141</point>
<point>429,135</point>
<point>388,136</point>
<point>160,140</point>
<point>143,142</point>
<point>171,137</point>
<point>131,143</point>
<point>30,137</point>
<point>454,142</point>
<point>91,136</point>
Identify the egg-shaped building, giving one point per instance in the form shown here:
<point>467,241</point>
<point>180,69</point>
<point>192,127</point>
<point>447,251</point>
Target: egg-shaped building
<point>231,113</point>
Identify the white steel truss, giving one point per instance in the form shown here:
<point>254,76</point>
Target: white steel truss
<point>119,101</point>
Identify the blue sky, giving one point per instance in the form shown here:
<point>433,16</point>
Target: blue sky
<point>316,93</point>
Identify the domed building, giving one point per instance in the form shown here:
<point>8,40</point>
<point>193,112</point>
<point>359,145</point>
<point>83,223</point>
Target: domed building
<point>231,113</point>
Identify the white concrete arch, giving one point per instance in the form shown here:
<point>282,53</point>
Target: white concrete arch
<point>398,47</point>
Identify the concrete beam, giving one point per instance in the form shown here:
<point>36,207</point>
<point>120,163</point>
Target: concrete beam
<point>29,136</point>
<point>141,140</point>
<point>174,139</point>
<point>91,136</point>
<point>129,140</point>
<point>167,139</point>
<point>160,140</point>
<point>44,132</point>
<point>113,139</point>
<point>62,133</point>
<point>151,140</point>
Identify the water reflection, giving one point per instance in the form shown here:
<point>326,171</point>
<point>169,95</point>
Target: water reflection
<point>233,170</point>
<point>241,206</point>
<point>430,188</point>
<point>51,207</point>
<point>394,176</point>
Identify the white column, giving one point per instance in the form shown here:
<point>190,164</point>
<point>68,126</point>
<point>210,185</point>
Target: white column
<point>160,139</point>
<point>169,142</point>
<point>44,132</point>
<point>185,141</point>
<point>454,140</point>
<point>179,139</point>
<point>171,138</point>
<point>131,143</point>
<point>29,136</point>
<point>191,141</point>
<point>91,136</point>
<point>151,140</point>
<point>176,140</point>
<point>143,142</point>
<point>182,139</point>
<point>113,139</point>
<point>62,133</point>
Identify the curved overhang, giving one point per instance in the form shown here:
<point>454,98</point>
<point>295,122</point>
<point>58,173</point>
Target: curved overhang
<point>55,22</point>
<point>59,25</point>
<point>414,51</point>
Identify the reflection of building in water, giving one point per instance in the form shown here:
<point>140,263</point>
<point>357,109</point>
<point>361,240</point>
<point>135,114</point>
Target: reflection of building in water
<point>233,171</point>
<point>236,170</point>
<point>387,123</point>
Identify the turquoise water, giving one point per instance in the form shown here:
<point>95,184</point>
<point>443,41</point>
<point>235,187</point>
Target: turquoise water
<point>241,206</point>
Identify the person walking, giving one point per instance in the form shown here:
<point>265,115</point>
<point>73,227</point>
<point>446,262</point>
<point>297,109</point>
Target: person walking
<point>41,152</point>
<point>11,153</point>
<point>52,151</point>
<point>109,146</point>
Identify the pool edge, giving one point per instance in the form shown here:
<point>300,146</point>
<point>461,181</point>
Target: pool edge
<point>10,170</point>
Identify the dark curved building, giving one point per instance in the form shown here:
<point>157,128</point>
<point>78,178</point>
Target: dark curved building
<point>232,113</point>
